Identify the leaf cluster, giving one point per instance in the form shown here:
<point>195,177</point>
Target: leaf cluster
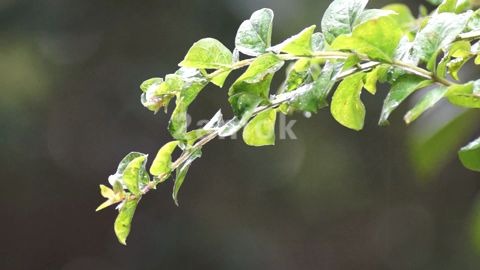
<point>356,49</point>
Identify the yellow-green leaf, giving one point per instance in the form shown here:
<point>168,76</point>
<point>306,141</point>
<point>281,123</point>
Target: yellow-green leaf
<point>260,131</point>
<point>347,108</point>
<point>376,38</point>
<point>163,161</point>
<point>123,222</point>
<point>208,53</point>
<point>133,173</point>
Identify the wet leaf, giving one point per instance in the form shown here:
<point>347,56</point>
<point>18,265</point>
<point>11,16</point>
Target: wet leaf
<point>340,17</point>
<point>401,90</point>
<point>254,35</point>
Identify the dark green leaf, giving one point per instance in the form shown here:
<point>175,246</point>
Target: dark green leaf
<point>208,53</point>
<point>254,35</point>
<point>401,89</point>
<point>123,223</point>
<point>297,74</point>
<point>470,155</point>
<point>347,108</point>
<point>340,16</point>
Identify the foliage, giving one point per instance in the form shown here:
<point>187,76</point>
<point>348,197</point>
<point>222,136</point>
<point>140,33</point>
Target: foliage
<point>358,48</point>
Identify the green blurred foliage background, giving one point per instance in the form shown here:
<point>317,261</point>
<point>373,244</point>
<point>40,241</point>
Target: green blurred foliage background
<point>332,199</point>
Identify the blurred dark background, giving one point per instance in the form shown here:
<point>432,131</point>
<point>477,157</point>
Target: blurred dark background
<point>332,199</point>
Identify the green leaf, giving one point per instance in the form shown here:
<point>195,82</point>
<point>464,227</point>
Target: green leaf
<point>300,44</point>
<point>134,173</point>
<point>377,38</point>
<point>470,155</point>
<point>208,53</point>
<point>106,192</point>
<point>123,223</point>
<point>260,131</point>
<point>462,50</point>
<point>163,161</point>
<point>371,14</point>
<point>404,15</point>
<point>182,172</point>
<point>261,67</point>
<point>110,195</point>
<point>126,160</point>
<point>316,93</point>
<point>297,74</point>
<point>158,93</point>
<point>253,86</point>
<point>248,103</point>
<point>347,108</point>
<point>351,61</point>
<point>178,121</point>
<point>254,35</point>
<point>441,30</point>
<point>425,103</point>
<point>401,89</point>
<point>340,16</point>
<point>463,95</point>
<point>371,81</point>
<point>244,103</point>
<point>447,6</point>
<point>105,204</point>
<point>153,82</point>
<point>219,80</point>
<point>474,21</point>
